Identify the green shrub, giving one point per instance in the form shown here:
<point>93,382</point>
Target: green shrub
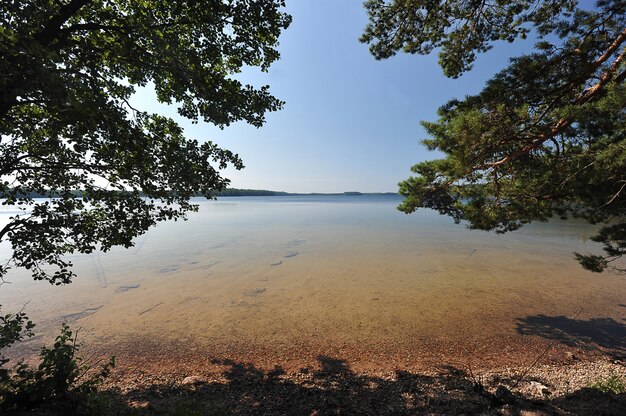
<point>612,384</point>
<point>60,381</point>
<point>13,328</point>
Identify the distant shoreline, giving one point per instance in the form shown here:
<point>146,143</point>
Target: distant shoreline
<point>231,192</point>
<point>247,192</point>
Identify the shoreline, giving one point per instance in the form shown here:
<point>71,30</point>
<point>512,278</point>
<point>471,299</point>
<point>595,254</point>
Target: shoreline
<point>543,376</point>
<point>334,388</point>
<point>166,356</point>
<point>173,352</point>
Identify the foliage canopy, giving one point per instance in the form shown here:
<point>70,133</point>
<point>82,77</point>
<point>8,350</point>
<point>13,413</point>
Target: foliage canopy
<point>68,70</point>
<point>546,135</point>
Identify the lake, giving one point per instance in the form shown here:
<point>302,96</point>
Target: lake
<point>285,280</point>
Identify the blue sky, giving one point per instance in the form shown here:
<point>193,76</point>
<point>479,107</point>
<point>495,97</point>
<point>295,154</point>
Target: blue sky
<point>350,123</point>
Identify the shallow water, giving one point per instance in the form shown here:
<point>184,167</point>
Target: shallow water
<point>285,280</point>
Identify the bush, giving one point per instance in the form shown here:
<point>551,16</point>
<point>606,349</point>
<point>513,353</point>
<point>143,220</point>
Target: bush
<point>13,328</point>
<point>612,384</point>
<point>59,382</point>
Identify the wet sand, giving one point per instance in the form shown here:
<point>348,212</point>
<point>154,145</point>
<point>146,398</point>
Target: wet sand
<point>241,283</point>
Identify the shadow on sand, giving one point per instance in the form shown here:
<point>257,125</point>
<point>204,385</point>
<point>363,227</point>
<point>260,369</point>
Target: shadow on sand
<point>333,388</point>
<point>605,334</point>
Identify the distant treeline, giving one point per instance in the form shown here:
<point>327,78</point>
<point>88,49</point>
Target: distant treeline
<point>248,192</point>
<point>78,193</point>
<point>257,192</point>
<point>225,192</point>
<point>48,194</point>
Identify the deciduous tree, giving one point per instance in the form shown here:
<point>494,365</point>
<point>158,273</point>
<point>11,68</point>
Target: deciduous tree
<point>68,70</point>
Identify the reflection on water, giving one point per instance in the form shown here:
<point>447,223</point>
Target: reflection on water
<point>282,280</point>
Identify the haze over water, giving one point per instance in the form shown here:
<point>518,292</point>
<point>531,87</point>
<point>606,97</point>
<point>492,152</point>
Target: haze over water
<point>284,280</point>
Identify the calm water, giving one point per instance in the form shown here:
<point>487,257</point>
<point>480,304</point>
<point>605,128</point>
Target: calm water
<point>283,280</point>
